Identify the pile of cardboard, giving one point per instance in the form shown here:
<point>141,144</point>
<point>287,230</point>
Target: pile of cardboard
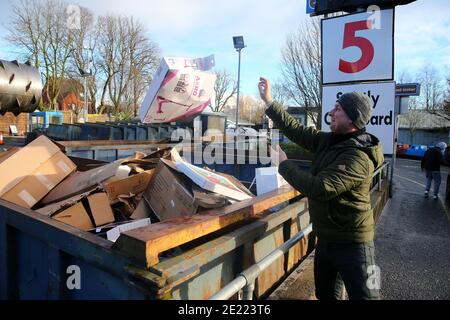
<point>178,188</point>
<point>112,197</point>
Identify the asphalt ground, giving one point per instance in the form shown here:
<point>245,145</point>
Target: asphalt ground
<point>412,239</point>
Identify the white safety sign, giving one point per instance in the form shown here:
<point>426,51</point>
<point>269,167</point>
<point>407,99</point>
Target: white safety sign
<point>382,96</point>
<point>358,47</point>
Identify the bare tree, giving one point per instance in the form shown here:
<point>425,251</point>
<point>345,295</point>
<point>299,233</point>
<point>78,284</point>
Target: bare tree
<point>225,88</point>
<point>26,30</point>
<point>116,49</point>
<point>279,92</point>
<point>447,99</point>
<point>127,58</point>
<point>144,59</point>
<point>84,57</point>
<point>251,110</point>
<point>106,54</point>
<point>404,77</point>
<point>301,68</point>
<point>431,91</point>
<point>413,118</point>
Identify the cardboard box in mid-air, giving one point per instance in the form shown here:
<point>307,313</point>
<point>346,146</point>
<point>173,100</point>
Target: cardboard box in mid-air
<point>181,88</point>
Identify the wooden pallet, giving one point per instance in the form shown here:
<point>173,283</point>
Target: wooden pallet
<point>145,244</point>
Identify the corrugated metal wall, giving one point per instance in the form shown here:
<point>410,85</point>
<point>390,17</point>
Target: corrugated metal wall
<point>423,137</point>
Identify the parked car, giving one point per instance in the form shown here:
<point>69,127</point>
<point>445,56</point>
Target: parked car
<point>401,148</point>
<point>416,151</point>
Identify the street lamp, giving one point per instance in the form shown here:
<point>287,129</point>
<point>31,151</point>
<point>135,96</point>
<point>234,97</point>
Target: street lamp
<point>85,74</point>
<point>238,43</point>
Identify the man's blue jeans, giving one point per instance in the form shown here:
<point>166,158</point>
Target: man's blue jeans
<point>436,176</point>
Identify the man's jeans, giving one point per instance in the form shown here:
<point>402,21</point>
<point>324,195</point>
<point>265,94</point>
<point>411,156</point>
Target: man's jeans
<point>436,176</point>
<point>352,264</point>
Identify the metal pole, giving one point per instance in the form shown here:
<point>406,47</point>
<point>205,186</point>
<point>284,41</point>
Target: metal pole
<point>238,84</point>
<point>248,291</point>
<point>394,151</point>
<point>85,99</point>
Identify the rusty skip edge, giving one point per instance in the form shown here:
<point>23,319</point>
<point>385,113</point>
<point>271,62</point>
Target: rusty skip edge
<point>168,274</point>
<point>145,244</point>
<point>118,143</point>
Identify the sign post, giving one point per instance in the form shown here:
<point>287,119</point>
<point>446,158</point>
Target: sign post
<point>407,89</point>
<point>359,48</point>
<point>358,55</point>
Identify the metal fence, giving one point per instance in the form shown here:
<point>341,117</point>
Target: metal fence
<point>244,283</point>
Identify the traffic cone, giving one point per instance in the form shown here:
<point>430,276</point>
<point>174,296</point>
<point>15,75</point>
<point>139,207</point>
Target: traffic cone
<point>1,138</point>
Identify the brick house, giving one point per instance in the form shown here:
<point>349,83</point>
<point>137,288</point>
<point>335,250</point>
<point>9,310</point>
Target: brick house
<point>71,95</point>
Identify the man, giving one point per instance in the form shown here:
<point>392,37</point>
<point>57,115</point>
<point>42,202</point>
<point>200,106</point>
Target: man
<point>338,191</point>
<point>431,162</point>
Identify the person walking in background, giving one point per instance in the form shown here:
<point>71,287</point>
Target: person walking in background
<point>431,162</point>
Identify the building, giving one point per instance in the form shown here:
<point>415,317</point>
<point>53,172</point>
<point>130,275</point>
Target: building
<point>231,123</point>
<point>71,96</point>
<point>423,127</point>
<point>301,115</point>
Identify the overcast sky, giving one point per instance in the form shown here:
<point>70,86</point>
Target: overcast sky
<point>197,28</point>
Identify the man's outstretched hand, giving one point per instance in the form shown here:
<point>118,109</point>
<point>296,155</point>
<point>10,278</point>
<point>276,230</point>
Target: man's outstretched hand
<point>264,90</point>
<point>277,155</point>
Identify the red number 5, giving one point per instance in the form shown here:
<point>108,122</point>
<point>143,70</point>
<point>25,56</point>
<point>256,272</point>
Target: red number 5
<point>350,39</point>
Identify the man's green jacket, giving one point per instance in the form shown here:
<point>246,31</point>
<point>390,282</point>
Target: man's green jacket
<point>338,182</point>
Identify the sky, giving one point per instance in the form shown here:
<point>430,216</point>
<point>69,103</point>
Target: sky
<point>198,28</point>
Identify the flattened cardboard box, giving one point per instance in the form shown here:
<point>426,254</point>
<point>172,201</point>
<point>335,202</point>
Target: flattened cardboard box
<point>167,195</point>
<point>27,159</point>
<point>6,154</point>
<point>142,210</point>
<point>134,184</point>
<point>207,179</point>
<point>29,173</point>
<point>81,181</point>
<point>53,208</point>
<point>35,186</point>
<point>77,215</point>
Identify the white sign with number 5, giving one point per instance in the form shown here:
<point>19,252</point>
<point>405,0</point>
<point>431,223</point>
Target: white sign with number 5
<point>358,47</point>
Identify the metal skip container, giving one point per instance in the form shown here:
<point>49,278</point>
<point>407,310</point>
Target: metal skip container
<point>20,87</point>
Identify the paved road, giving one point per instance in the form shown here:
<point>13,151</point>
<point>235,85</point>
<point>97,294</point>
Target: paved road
<point>412,239</point>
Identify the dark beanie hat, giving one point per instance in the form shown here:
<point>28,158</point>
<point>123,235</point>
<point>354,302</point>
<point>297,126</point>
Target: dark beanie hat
<point>357,106</point>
